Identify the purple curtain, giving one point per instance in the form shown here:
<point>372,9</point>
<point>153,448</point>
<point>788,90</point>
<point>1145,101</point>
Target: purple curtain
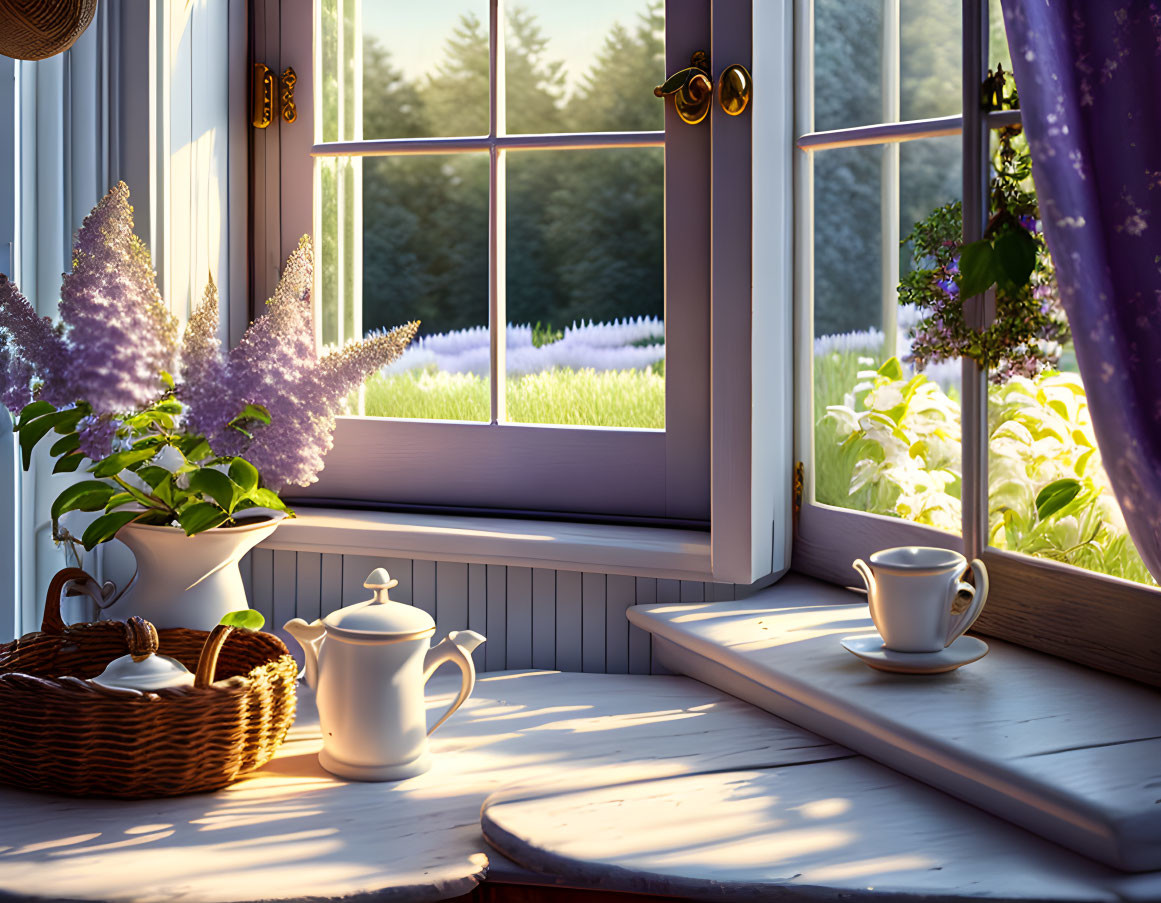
<point>1089,77</point>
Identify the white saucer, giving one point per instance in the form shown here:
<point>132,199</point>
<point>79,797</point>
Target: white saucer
<point>871,650</point>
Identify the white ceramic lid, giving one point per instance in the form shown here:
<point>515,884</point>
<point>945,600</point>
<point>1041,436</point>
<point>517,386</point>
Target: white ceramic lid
<point>380,616</point>
<point>143,668</point>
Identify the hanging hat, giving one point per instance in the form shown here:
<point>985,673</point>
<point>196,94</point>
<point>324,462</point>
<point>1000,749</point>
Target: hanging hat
<point>36,29</point>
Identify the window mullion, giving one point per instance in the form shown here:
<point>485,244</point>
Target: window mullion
<point>497,218</point>
<point>974,408</point>
<point>889,180</point>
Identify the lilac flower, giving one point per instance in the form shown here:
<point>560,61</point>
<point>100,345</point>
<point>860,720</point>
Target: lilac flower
<point>96,435</point>
<point>40,348</point>
<point>277,366</point>
<point>15,379</point>
<point>121,336</point>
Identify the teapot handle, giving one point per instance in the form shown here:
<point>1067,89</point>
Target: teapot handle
<point>456,648</point>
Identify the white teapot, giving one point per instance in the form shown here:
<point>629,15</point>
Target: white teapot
<point>369,664</point>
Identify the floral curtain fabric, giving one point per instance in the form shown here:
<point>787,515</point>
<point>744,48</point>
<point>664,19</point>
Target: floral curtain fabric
<point>1088,76</point>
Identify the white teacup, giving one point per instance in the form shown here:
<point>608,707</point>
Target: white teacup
<point>911,590</point>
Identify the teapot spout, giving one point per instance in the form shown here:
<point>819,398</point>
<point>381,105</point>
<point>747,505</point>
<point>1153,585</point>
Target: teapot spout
<point>467,640</point>
<point>310,637</point>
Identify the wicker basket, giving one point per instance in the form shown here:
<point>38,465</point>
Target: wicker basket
<point>37,29</point>
<point>61,733</point>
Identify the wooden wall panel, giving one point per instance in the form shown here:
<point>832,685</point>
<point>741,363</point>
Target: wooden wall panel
<point>533,617</point>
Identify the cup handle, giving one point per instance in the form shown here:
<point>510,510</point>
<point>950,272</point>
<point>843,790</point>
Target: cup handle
<point>979,595</point>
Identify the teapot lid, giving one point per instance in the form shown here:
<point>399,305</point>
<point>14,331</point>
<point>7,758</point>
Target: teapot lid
<point>381,615</point>
<point>143,668</point>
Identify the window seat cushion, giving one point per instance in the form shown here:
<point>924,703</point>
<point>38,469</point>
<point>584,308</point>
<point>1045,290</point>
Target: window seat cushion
<point>1068,753</point>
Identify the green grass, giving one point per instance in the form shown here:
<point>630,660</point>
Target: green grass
<point>623,398</point>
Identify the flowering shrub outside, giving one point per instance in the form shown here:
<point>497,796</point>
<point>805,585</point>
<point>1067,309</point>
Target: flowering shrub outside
<point>589,374</point>
<point>894,449</point>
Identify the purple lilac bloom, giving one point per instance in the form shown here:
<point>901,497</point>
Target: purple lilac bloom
<point>96,435</point>
<point>120,334</point>
<point>38,344</point>
<point>15,379</point>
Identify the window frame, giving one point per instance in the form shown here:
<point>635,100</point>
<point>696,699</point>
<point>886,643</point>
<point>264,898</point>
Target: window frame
<point>1090,618</point>
<point>742,476</point>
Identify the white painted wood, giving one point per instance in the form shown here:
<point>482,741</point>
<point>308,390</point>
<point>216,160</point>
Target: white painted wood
<point>245,568</point>
<point>518,642</point>
<point>543,619</point>
<point>668,590</point>
<point>593,622</point>
<point>568,621</point>
<point>620,594</point>
<point>692,591</point>
<point>478,608</point>
<point>378,147</point>
<point>284,593</point>
<point>845,828</point>
<point>262,577</point>
<point>640,641</point>
<point>451,598</point>
<point>423,587</point>
<point>331,583</point>
<point>294,832</point>
<point>635,551</point>
<point>495,650</point>
<point>400,569</point>
<point>1063,751</point>
<point>719,592</point>
<point>308,587</point>
<point>356,568</point>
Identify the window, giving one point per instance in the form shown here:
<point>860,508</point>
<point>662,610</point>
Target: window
<point>561,195</point>
<point>894,454</point>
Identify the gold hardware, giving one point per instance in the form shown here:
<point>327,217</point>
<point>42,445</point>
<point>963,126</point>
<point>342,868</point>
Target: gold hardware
<point>691,88</point>
<point>262,96</point>
<point>799,483</point>
<point>268,90</point>
<point>735,86</point>
<point>289,110</point>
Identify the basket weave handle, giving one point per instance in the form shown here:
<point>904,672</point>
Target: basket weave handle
<point>208,660</point>
<point>52,622</point>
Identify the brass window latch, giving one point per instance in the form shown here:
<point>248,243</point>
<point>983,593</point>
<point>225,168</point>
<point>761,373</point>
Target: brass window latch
<point>692,89</point>
<point>272,95</point>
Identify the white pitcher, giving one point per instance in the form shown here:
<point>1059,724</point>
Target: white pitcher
<point>911,591</point>
<point>369,664</point>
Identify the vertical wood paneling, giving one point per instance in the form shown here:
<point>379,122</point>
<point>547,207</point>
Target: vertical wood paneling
<point>544,619</point>
<point>331,583</point>
<point>285,594</point>
<point>423,585</point>
<point>308,592</point>
<point>262,567</point>
<point>621,592</point>
<point>451,598</point>
<point>496,656</point>
<point>640,645</point>
<point>399,569</point>
<point>356,569</point>
<point>719,592</point>
<point>692,591</point>
<point>593,622</point>
<point>668,591</point>
<point>519,618</point>
<point>568,620</point>
<point>478,609</point>
<point>245,567</point>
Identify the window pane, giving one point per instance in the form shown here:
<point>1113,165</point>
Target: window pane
<point>396,69</point>
<point>997,37</point>
<point>931,46</point>
<point>585,67</point>
<point>586,287</point>
<point>887,435</point>
<point>422,240</point>
<point>849,62</point>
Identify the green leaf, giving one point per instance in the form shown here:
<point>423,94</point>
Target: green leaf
<point>69,463</point>
<point>106,526</point>
<point>891,369</point>
<point>65,445</point>
<point>32,410</point>
<point>268,498</point>
<point>152,474</point>
<point>216,485</point>
<point>201,516</point>
<point>88,495</point>
<point>247,619</point>
<point>167,379</point>
<point>119,461</point>
<point>251,413</point>
<point>117,499</point>
<point>1015,256</point>
<point>169,406</point>
<point>34,430</point>
<point>244,474</point>
<point>976,268</point>
<point>1055,496</point>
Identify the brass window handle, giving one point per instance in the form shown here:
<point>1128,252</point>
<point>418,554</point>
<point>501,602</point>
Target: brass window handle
<point>735,88</point>
<point>691,89</point>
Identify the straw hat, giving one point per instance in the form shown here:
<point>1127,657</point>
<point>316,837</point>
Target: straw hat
<point>35,29</point>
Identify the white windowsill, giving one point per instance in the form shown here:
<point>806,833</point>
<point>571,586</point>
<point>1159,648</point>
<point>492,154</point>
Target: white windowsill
<point>633,551</point>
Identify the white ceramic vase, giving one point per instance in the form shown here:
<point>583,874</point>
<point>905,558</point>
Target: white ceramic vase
<point>185,581</point>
